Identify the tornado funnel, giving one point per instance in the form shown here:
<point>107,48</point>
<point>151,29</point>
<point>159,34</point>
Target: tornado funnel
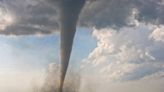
<point>69,13</point>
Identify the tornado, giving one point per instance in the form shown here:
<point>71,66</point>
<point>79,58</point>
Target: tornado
<point>69,12</point>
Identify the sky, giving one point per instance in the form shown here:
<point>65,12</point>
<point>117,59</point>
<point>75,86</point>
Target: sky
<point>39,51</point>
<point>126,60</point>
<point>28,57</point>
<point>118,46</point>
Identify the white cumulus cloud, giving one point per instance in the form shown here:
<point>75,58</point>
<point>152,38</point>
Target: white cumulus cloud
<point>129,54</point>
<point>158,34</point>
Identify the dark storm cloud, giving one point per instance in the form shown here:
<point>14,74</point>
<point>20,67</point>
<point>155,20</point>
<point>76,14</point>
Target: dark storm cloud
<point>24,30</point>
<point>42,14</point>
<point>30,17</point>
<point>150,10</point>
<point>105,13</point>
<point>108,13</point>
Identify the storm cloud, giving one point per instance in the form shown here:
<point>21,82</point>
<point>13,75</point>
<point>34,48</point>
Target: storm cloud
<point>41,16</point>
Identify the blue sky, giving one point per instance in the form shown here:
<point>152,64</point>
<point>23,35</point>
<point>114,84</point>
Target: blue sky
<point>39,51</point>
